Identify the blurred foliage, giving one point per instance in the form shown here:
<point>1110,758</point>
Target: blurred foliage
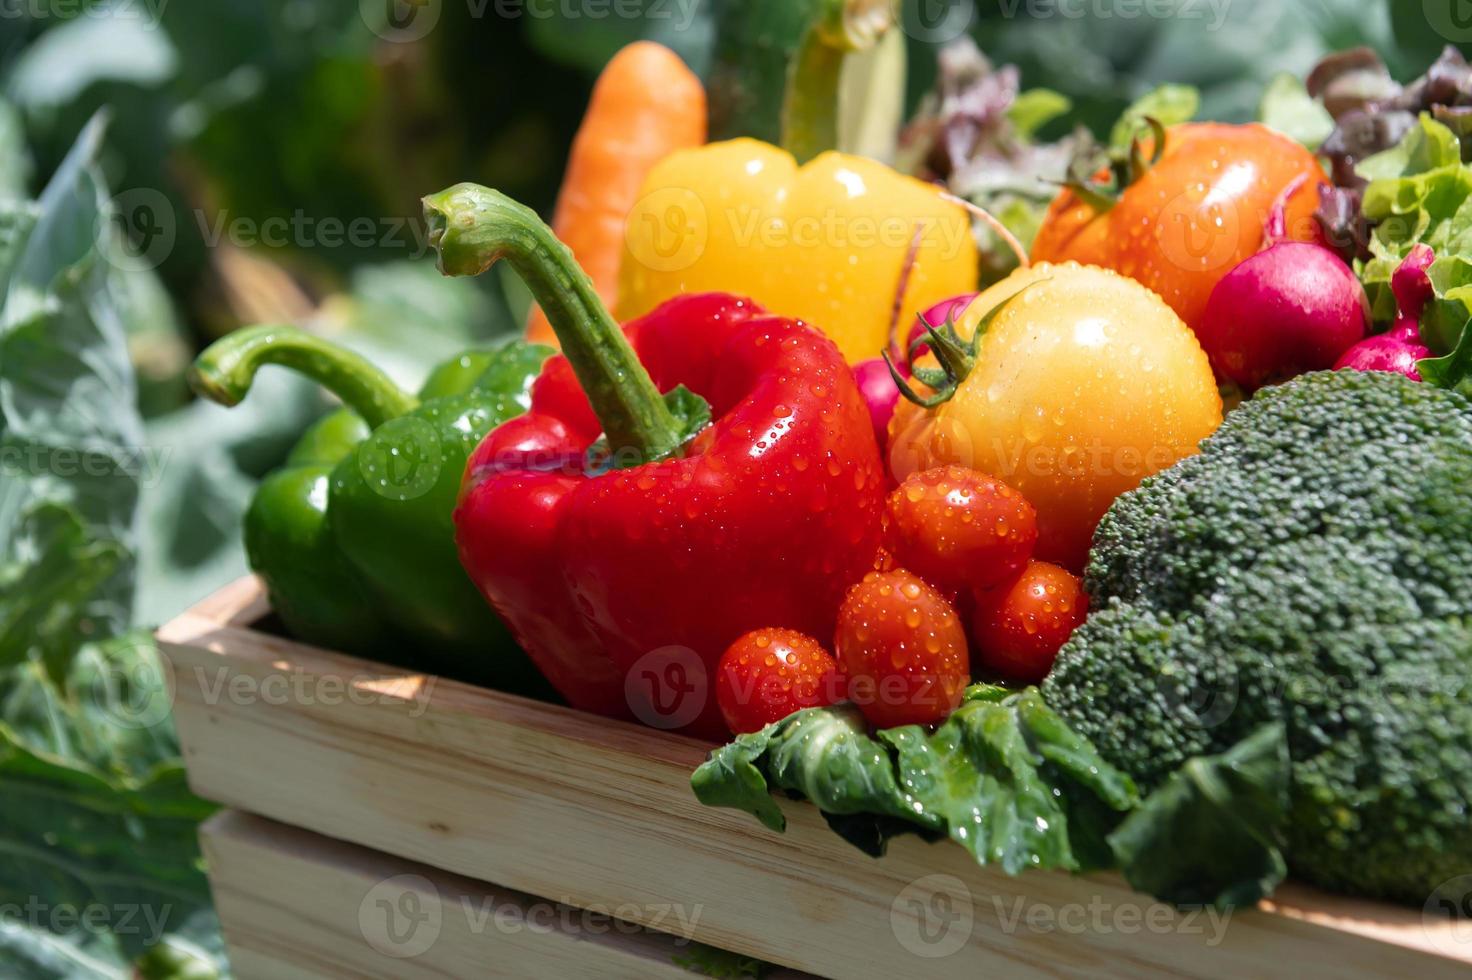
<point>98,860</point>
<point>242,111</point>
<point>1104,54</point>
<point>239,112</point>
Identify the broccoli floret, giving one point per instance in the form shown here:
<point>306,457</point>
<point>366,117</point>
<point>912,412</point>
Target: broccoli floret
<point>1311,565</point>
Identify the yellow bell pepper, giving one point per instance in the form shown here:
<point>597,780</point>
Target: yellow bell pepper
<point>824,242</point>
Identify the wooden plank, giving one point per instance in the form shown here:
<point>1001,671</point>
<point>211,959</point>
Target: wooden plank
<point>240,603</point>
<point>297,905</point>
<point>596,813</point>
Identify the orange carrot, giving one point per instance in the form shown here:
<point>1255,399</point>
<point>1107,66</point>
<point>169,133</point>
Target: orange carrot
<point>645,105</point>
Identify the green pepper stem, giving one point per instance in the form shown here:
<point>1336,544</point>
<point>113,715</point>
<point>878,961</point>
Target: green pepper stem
<point>810,101</point>
<point>226,369</point>
<point>473,227</point>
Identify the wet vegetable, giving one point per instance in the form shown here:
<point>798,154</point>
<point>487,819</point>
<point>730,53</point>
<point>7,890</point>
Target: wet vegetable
<point>1070,384</point>
<point>353,536</point>
<point>1292,307</point>
<point>768,674</point>
<point>902,649</point>
<point>1185,220</point>
<point>828,242</point>
<point>695,515</point>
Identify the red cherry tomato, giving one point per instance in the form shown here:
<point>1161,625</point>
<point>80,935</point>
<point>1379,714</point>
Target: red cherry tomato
<point>1018,628</point>
<point>960,529</point>
<point>902,650</point>
<point>768,674</point>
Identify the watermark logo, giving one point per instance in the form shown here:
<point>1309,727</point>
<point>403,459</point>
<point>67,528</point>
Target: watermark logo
<point>403,458</point>
<point>400,21</point>
<point>1203,704</point>
<point>930,440</point>
<point>1196,233</point>
<point>145,227</point>
<point>129,686</point>
<point>668,230</point>
<point>1446,917</point>
<point>933,916</point>
<point>1452,19</point>
<point>934,21</point>
<point>667,688</point>
<point>401,916</point>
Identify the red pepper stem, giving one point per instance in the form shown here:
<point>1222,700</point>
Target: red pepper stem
<point>227,368</point>
<point>473,227</point>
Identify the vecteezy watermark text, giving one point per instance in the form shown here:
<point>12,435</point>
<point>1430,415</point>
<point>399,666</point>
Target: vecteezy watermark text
<point>131,919</point>
<point>403,916</point>
<point>1215,12</point>
<point>407,21</point>
<point>302,230</point>
<point>297,687</point>
<point>150,12</point>
<point>1098,916</point>
<point>145,464</point>
<point>935,916</point>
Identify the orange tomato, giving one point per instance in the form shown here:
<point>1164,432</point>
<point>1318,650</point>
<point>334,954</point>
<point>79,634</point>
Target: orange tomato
<point>1193,216</point>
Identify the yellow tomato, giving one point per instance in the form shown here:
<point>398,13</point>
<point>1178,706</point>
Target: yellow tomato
<point>1084,384</point>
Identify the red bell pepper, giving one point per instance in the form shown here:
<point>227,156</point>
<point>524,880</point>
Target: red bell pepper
<point>626,582</point>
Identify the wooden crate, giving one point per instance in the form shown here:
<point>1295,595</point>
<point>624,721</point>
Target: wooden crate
<point>299,905</point>
<point>598,815</point>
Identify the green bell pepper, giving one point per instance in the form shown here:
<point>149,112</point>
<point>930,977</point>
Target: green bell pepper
<point>353,536</point>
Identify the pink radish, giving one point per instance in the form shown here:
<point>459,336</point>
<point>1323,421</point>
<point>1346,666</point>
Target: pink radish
<point>874,378</point>
<point>1396,350</point>
<point>1400,347</point>
<point>1293,307</point>
<point>880,393</point>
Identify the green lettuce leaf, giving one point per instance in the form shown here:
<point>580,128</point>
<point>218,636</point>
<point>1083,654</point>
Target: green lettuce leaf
<point>1419,192</point>
<point>1212,834</point>
<point>1445,316</point>
<point>1168,105</point>
<point>1002,776</point>
<point>1035,108</point>
<point>1452,370</point>
<point>822,754</point>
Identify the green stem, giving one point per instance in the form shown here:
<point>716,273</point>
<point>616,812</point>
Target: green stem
<point>226,369</point>
<point>810,103</point>
<point>473,227</point>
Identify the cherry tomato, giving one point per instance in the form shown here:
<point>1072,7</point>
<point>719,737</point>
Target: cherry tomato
<point>768,674</point>
<point>902,650</point>
<point>958,528</point>
<point>1193,216</point>
<point>1020,627</point>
